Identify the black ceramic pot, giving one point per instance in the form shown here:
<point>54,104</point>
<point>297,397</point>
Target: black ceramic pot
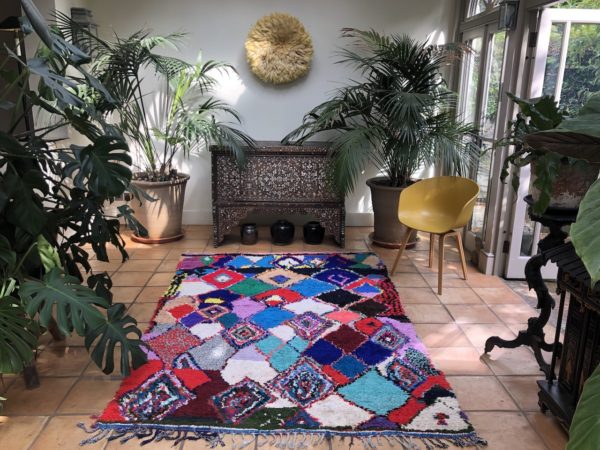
<point>282,232</point>
<point>249,233</point>
<point>313,233</point>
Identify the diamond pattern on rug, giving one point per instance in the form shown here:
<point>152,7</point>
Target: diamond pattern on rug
<point>241,400</point>
<point>339,297</point>
<point>304,384</point>
<point>223,278</point>
<point>243,333</point>
<point>286,343</point>
<point>339,277</point>
<point>172,343</point>
<point>161,394</point>
<point>360,392</point>
<point>280,277</point>
<point>309,325</point>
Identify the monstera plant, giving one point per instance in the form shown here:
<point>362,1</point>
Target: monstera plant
<point>584,433</point>
<point>51,211</point>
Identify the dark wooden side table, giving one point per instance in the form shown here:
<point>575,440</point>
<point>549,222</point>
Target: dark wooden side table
<point>581,346</point>
<point>279,179</point>
<point>533,336</point>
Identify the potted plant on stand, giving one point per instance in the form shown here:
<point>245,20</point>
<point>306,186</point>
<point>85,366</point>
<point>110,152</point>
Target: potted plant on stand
<point>564,152</point>
<point>398,117</point>
<point>188,120</point>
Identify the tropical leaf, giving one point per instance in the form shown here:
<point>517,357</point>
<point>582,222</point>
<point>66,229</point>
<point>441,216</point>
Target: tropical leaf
<point>16,338</point>
<point>8,258</point>
<point>584,232</point>
<point>76,305</point>
<point>587,120</point>
<point>116,331</point>
<point>133,224</point>
<point>584,433</point>
<point>48,254</point>
<point>24,210</point>
<point>102,167</point>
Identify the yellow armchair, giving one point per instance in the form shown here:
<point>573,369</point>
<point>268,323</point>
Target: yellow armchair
<point>438,206</point>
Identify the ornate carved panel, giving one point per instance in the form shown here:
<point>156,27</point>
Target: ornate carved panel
<point>285,180</point>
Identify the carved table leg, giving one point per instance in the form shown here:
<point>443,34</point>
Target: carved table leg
<point>534,336</point>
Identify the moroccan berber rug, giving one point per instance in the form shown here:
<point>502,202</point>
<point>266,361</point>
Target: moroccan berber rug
<point>287,350</point>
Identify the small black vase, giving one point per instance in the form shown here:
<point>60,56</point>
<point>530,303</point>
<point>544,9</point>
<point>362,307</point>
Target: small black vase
<point>313,233</point>
<point>282,232</point>
<point>249,233</point>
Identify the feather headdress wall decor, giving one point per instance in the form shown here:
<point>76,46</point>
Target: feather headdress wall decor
<point>279,49</point>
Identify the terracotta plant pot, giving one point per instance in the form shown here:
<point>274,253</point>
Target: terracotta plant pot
<point>162,218</point>
<point>388,231</point>
<point>570,186</point>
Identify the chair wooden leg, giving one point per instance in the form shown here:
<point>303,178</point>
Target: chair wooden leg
<point>431,244</point>
<point>461,251</point>
<point>402,247</point>
<point>441,263</point>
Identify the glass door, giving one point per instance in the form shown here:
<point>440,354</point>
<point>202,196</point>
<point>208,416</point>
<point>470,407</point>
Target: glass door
<point>482,72</point>
<point>566,65</point>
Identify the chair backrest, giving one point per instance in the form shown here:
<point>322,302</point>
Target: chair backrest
<point>452,197</point>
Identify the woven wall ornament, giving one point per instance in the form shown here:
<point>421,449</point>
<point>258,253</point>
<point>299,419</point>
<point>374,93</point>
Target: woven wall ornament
<point>278,49</point>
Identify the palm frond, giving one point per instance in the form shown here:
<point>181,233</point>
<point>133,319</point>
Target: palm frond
<point>400,106</point>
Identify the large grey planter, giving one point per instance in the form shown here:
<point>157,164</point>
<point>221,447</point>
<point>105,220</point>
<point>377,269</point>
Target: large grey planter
<point>388,230</point>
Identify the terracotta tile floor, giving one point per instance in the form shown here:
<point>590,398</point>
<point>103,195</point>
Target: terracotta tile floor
<point>497,391</point>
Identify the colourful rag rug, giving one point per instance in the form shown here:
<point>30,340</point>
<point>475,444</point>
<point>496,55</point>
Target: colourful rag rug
<point>288,350</point>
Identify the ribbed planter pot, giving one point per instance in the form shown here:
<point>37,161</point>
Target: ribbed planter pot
<point>162,218</point>
<point>388,231</point>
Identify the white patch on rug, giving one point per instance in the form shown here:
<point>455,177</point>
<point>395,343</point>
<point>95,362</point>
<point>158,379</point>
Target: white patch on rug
<point>206,330</point>
<point>334,411</point>
<point>236,370</point>
<point>283,332</point>
<point>194,288</point>
<point>311,305</point>
<point>443,415</point>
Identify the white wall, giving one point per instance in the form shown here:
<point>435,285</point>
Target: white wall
<point>218,28</point>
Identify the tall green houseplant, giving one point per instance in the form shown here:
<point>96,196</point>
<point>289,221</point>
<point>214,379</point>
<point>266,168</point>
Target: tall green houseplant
<point>51,212</point>
<point>398,116</point>
<point>189,118</point>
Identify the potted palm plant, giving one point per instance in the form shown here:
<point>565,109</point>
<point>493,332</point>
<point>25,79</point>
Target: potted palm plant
<point>399,117</point>
<point>189,119</point>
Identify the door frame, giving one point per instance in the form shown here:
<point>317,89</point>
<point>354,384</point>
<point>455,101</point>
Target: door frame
<point>515,261</point>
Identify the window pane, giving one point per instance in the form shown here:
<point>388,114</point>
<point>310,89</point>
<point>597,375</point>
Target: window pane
<point>582,76</point>
<point>472,66</point>
<point>488,125</point>
<point>553,60</point>
<point>479,6</point>
<point>488,129</point>
<point>527,239</point>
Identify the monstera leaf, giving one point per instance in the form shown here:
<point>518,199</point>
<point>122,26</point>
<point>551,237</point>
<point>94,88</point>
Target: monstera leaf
<point>17,340</point>
<point>101,167</point>
<point>76,305</point>
<point>116,331</point>
<point>584,232</point>
<point>584,433</point>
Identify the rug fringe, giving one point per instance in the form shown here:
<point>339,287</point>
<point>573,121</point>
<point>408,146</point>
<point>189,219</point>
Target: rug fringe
<point>292,439</point>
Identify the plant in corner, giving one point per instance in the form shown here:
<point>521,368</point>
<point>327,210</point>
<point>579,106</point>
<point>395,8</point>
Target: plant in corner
<point>189,118</point>
<point>564,152</point>
<point>51,199</point>
<point>399,116</point>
